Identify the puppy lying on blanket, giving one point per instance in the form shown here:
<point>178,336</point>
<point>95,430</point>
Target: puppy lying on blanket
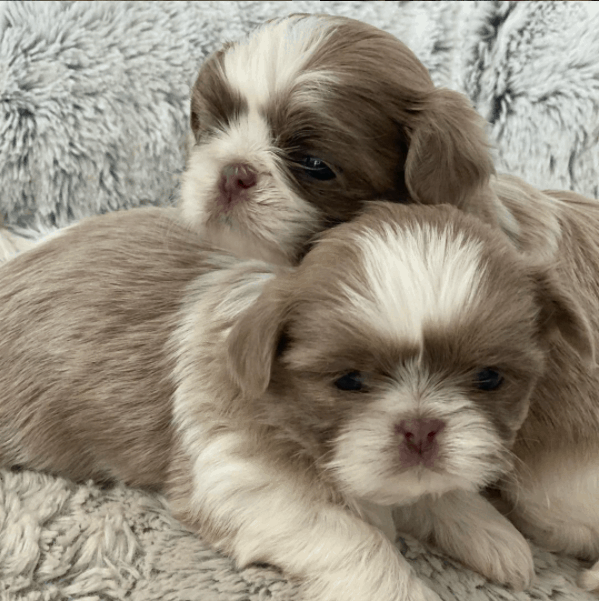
<point>284,411</point>
<point>297,124</point>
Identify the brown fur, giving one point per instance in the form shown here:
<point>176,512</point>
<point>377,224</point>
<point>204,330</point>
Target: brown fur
<point>95,321</point>
<point>416,143</point>
<point>132,351</point>
<point>85,375</point>
<point>306,310</point>
<point>558,441</point>
<point>573,268</point>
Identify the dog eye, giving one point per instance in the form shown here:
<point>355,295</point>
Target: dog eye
<point>488,379</point>
<point>351,381</point>
<point>317,169</point>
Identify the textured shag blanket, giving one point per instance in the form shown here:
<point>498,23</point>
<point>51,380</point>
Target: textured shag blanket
<point>93,118</point>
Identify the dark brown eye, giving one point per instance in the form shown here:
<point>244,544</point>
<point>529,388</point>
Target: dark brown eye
<point>317,169</point>
<point>352,381</point>
<point>488,379</point>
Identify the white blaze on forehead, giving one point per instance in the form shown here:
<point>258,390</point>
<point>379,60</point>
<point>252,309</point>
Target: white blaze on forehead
<point>247,140</point>
<point>415,277</point>
<point>273,57</point>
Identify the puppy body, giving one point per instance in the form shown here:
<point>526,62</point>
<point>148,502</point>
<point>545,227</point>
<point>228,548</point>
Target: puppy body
<point>555,488</point>
<point>284,411</point>
<point>298,124</point>
<point>87,315</point>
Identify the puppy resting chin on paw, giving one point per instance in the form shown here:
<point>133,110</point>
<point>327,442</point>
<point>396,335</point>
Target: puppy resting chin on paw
<point>298,124</point>
<point>284,411</point>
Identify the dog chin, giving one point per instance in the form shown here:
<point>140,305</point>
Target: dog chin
<point>413,485</point>
<point>224,233</point>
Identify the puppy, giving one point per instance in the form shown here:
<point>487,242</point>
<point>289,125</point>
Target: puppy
<point>554,491</point>
<point>298,124</point>
<point>284,411</point>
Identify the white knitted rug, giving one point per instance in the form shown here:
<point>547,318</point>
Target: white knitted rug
<point>93,115</point>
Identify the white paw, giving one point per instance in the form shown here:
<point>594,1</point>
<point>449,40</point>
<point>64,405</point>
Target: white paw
<point>374,580</point>
<point>501,554</point>
<point>353,589</point>
<point>589,579</point>
<point>468,528</point>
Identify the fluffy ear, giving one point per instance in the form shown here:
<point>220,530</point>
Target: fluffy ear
<point>255,339</point>
<point>448,155</point>
<point>561,312</point>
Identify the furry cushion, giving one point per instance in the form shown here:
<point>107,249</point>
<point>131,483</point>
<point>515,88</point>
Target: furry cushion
<point>94,99</point>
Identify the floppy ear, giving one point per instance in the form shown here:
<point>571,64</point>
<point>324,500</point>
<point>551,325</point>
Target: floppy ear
<point>448,155</point>
<point>561,312</point>
<point>255,338</point>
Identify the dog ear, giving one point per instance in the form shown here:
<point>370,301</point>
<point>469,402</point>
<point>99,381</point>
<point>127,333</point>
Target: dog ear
<point>448,158</point>
<point>561,312</point>
<point>256,338</point>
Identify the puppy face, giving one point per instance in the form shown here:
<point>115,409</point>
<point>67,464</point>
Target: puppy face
<point>300,123</point>
<point>402,354</point>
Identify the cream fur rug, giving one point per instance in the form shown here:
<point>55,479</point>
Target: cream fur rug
<point>94,101</point>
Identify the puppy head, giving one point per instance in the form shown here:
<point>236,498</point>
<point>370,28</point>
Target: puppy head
<point>301,122</point>
<point>402,352</point>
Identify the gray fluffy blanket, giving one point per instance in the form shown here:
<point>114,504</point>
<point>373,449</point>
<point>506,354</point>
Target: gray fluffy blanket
<point>93,117</point>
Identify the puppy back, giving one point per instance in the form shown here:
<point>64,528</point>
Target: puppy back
<point>84,369</point>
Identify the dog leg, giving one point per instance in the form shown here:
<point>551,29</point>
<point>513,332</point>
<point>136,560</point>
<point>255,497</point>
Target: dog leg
<point>589,579</point>
<point>468,528</point>
<point>258,512</point>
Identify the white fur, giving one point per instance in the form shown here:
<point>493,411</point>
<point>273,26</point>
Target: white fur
<point>271,60</point>
<point>416,277</point>
<point>275,515</point>
<point>589,579</point>
<point>558,503</point>
<point>275,214</point>
<point>11,244</point>
<point>469,528</point>
<point>380,516</point>
<point>274,218</point>
<point>365,458</point>
<point>212,304</point>
<point>341,556</point>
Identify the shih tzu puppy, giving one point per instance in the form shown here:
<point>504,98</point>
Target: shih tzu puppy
<point>295,126</point>
<point>554,491</point>
<point>284,411</point>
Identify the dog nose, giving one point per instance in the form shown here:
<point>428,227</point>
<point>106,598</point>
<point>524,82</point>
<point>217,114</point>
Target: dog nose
<point>419,434</point>
<point>237,177</point>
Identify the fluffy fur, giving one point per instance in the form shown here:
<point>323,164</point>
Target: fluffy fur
<point>11,244</point>
<point>281,410</point>
<point>553,493</point>
<point>308,117</point>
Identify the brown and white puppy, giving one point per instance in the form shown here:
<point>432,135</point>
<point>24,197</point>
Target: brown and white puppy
<point>298,124</point>
<point>554,492</point>
<point>284,411</point>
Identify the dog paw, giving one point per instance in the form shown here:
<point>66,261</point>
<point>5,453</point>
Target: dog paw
<point>501,554</point>
<point>589,579</point>
<point>468,528</point>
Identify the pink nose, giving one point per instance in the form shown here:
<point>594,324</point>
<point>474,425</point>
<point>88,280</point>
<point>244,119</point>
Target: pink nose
<point>419,434</point>
<point>235,179</point>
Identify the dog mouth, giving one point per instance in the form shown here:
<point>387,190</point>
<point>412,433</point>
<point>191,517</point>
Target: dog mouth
<point>420,463</point>
<point>226,204</point>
